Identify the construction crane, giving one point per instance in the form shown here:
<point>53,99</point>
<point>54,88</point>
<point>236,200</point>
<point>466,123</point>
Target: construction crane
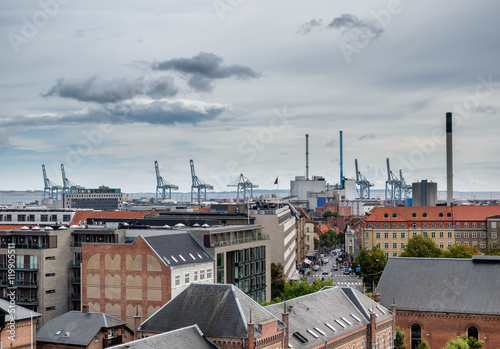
<point>50,189</point>
<point>68,186</point>
<point>363,183</point>
<point>404,189</point>
<point>162,185</point>
<point>392,188</point>
<point>198,187</point>
<point>244,187</point>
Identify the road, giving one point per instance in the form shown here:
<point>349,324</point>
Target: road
<point>337,277</point>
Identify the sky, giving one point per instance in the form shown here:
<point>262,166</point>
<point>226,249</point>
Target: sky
<point>107,88</point>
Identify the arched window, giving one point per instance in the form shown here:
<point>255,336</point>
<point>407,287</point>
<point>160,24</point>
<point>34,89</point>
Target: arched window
<point>362,344</point>
<point>390,341</point>
<point>416,335</point>
<point>386,215</point>
<point>424,215</point>
<point>441,215</point>
<point>353,346</point>
<point>383,341</point>
<point>394,215</point>
<point>376,344</point>
<point>473,332</point>
<point>414,215</point>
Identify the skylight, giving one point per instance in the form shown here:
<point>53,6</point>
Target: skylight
<point>175,260</point>
<point>381,310</point>
<point>313,334</point>
<point>300,337</point>
<point>346,321</point>
<point>58,333</point>
<point>182,257</point>
<point>330,326</point>
<point>199,255</point>
<point>166,260</point>
<point>355,317</point>
<point>320,331</point>
<point>192,256</point>
<point>340,323</point>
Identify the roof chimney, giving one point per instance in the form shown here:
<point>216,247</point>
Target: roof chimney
<point>251,335</point>
<point>307,157</point>
<point>137,323</point>
<point>85,308</point>
<point>341,162</point>
<point>449,161</point>
<point>286,335</point>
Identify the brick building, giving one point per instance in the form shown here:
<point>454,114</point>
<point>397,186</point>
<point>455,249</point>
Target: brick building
<point>441,298</point>
<point>18,328</point>
<point>390,228</point>
<point>142,274</point>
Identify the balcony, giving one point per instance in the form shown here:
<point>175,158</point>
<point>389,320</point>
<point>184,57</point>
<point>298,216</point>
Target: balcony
<point>26,301</point>
<point>75,244</point>
<point>75,280</point>
<point>229,242</point>
<point>75,264</point>
<point>26,246</point>
<point>75,296</point>
<point>18,283</point>
<point>24,267</point>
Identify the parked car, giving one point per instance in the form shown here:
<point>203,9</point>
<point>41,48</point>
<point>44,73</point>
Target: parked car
<point>325,272</point>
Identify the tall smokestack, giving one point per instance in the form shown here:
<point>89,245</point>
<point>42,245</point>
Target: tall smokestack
<point>449,161</point>
<point>307,156</point>
<point>341,162</point>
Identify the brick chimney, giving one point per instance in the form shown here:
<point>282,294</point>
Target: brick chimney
<point>376,297</point>
<point>373,331</point>
<point>137,323</point>
<point>284,318</point>
<point>251,335</point>
<point>85,308</point>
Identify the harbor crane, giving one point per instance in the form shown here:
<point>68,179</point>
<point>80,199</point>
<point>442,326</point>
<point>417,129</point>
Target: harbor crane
<point>404,189</point>
<point>198,187</point>
<point>363,183</point>
<point>50,189</point>
<point>163,188</point>
<point>392,186</point>
<point>68,186</point>
<point>244,187</point>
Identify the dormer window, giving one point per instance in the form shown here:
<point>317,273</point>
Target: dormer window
<point>424,215</point>
<point>386,215</point>
<point>394,215</point>
<point>441,215</point>
<point>414,215</point>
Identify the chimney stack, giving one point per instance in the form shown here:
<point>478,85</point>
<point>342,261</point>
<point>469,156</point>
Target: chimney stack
<point>341,162</point>
<point>251,335</point>
<point>307,157</point>
<point>137,323</point>
<point>285,318</point>
<point>449,161</point>
<point>85,308</point>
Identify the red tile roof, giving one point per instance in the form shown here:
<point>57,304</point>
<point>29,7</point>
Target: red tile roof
<point>85,215</point>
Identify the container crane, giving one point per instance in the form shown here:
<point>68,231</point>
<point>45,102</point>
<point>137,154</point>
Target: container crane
<point>50,189</point>
<point>198,187</point>
<point>68,186</point>
<point>162,186</point>
<point>363,183</point>
<point>244,187</point>
<point>392,188</point>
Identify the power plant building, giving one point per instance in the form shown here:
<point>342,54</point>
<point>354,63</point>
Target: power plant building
<point>424,193</point>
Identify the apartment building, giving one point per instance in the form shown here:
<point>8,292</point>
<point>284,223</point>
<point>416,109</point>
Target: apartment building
<point>102,198</point>
<point>29,216</point>
<point>390,228</point>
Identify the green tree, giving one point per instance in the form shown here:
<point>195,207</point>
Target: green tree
<point>328,238</point>
<point>419,246</point>
<point>329,213</point>
<point>340,239</point>
<point>399,341</point>
<point>460,251</point>
<point>294,289</point>
<point>473,342</point>
<point>423,345</point>
<point>372,264</point>
<point>457,343</point>
<point>316,244</point>
<point>492,250</point>
<point>278,280</point>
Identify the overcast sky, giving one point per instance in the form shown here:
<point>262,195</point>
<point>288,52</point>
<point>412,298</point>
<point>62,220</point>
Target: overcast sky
<point>107,88</point>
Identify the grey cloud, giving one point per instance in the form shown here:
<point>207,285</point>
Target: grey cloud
<point>485,109</point>
<point>153,112</point>
<point>203,68</point>
<point>332,144</point>
<point>306,28</point>
<point>98,90</point>
<point>348,23</point>
<point>367,136</point>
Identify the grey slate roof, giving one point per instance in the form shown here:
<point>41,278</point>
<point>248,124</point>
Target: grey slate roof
<point>187,337</point>
<point>76,328</point>
<point>468,286</point>
<point>19,312</point>
<point>178,248</point>
<point>329,306</point>
<point>218,310</point>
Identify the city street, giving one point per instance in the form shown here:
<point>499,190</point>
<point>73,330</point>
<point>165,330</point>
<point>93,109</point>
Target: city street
<point>337,277</point>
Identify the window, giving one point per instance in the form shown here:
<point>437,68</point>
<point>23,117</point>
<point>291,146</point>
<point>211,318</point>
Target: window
<point>483,235</point>
<point>394,254</point>
<point>50,274</point>
<point>414,215</point>
<point>458,225</point>
<point>366,235</point>
<point>441,235</point>
<point>441,224</point>
<point>394,245</point>
<point>414,225</point>
<point>202,274</point>
<point>66,217</point>
<point>440,215</point>
<point>474,225</point>
<point>44,217</point>
<point>403,235</point>
<point>403,225</point>
<point>494,225</point>
<point>466,243</point>
<point>378,244</point>
<point>450,235</point>
<point>50,291</point>
<point>386,215</point>
<point>394,225</point>
<point>448,215</point>
<point>386,254</point>
<point>50,308</point>
<point>386,235</point>
<point>441,244</point>
<point>414,233</point>
<point>386,225</point>
<point>195,276</point>
<point>377,225</point>
<point>394,215</point>
<point>466,224</point>
<point>433,224</point>
<point>425,225</point>
<point>474,234</point>
<point>433,234</point>
<point>403,245</point>
<point>473,332</point>
<point>220,259</point>
<point>483,225</point>
<point>377,235</point>
<point>449,225</point>
<point>424,234</point>
<point>483,245</point>
<point>466,235</point>
<point>493,235</point>
<point>186,278</point>
<point>416,335</point>
<point>457,235</point>
<point>51,258</point>
<point>209,273</point>
<point>386,245</point>
<point>449,243</point>
<point>424,215</point>
<point>394,235</point>
<point>177,281</point>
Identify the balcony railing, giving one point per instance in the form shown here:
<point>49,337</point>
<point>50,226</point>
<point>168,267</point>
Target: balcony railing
<point>228,242</point>
<point>75,296</point>
<point>26,246</point>
<point>19,283</point>
<point>75,264</point>
<point>19,268</point>
<point>75,244</point>
<point>27,301</point>
<point>74,280</point>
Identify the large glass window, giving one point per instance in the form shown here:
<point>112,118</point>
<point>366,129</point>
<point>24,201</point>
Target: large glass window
<point>473,332</point>
<point>416,335</point>
<point>220,259</point>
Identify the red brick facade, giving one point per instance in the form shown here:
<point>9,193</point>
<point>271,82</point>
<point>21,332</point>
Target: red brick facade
<point>117,279</point>
<point>438,328</point>
<point>22,333</point>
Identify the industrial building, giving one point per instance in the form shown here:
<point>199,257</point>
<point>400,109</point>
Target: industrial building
<point>102,198</point>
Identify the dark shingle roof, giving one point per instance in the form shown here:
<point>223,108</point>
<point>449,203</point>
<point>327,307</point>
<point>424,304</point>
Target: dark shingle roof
<point>187,337</point>
<point>221,311</point>
<point>178,248</point>
<point>20,313</point>
<point>330,306</point>
<point>76,328</point>
<point>467,286</point>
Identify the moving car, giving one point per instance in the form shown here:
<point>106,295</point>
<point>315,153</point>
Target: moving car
<point>335,267</point>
